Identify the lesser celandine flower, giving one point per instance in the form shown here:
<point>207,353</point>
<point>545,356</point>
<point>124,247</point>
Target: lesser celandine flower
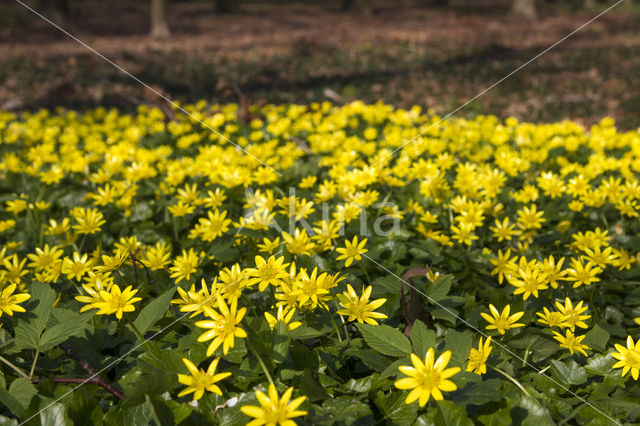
<point>571,342</point>
<point>274,410</point>
<point>116,301</point>
<point>478,357</point>
<point>10,301</point>
<point>502,321</point>
<point>284,315</point>
<point>223,325</point>
<point>268,272</point>
<point>184,265</point>
<point>353,250</point>
<point>628,358</point>
<point>199,380</point>
<point>360,309</point>
<point>428,378</point>
<point>573,314</point>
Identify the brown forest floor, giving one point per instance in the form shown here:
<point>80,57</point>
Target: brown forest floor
<point>302,53</point>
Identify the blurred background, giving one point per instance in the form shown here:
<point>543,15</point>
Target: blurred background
<point>434,53</point>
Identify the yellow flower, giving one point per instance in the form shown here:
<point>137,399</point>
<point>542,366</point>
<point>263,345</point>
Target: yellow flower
<point>89,221</point>
<point>184,265</point>
<point>309,289</point>
<point>201,380</point>
<point>352,250</point>
<point>463,233</point>
<point>14,267</point>
<point>45,257</point>
<point>529,218</point>
<point>504,265</point>
<point>223,326</point>
<point>529,279</point>
<point>268,246</point>
<point>360,308</point>
<point>211,227</point>
<point>116,301</point>
<point>502,321</point>
<point>553,270</point>
<point>553,318</point>
<point>77,266</point>
<point>428,378</point>
<point>583,274</point>
<point>628,358</point>
<point>478,357</point>
<point>268,272</point>
<point>503,230</point>
<point>181,209</point>
<point>157,257</point>
<point>571,342</point>
<point>573,313</point>
<point>282,315</point>
<point>9,302</point>
<point>298,243</point>
<point>274,409</point>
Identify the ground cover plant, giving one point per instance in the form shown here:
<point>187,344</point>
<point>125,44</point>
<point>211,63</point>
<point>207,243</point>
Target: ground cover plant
<point>316,264</point>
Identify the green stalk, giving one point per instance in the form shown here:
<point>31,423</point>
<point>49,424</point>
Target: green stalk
<point>33,365</point>
<point>260,361</point>
<point>512,379</point>
<point>14,368</point>
<point>335,326</point>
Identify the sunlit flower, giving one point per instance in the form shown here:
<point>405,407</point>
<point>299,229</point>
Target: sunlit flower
<point>199,380</point>
<point>478,357</point>
<point>360,309</point>
<point>223,325</point>
<point>274,410</point>
<point>502,321</point>
<point>353,250</point>
<point>428,378</point>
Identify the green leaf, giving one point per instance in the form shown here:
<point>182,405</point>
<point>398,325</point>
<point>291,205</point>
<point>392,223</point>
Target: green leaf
<point>29,329</point>
<point>393,408</point>
<point>460,345</point>
<point>478,393</point>
<point>568,374</point>
<point>385,285</point>
<point>280,342</point>
<point>501,417</point>
<point>450,414</point>
<point>162,359</point>
<point>597,338</point>
<point>154,310</point>
<point>439,289</point>
<point>54,414</point>
<point>422,338</point>
<point>602,365</point>
<point>23,391</point>
<point>385,339</point>
<point>62,331</point>
<point>160,413</point>
<point>303,333</point>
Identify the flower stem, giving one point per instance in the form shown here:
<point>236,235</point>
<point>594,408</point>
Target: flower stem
<point>335,326</point>
<point>512,379</point>
<point>260,361</point>
<point>33,365</point>
<point>14,368</point>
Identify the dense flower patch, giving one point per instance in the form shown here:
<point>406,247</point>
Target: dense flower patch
<point>317,264</point>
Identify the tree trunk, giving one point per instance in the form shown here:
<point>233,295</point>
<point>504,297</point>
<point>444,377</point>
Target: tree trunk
<point>524,9</point>
<point>159,27</point>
